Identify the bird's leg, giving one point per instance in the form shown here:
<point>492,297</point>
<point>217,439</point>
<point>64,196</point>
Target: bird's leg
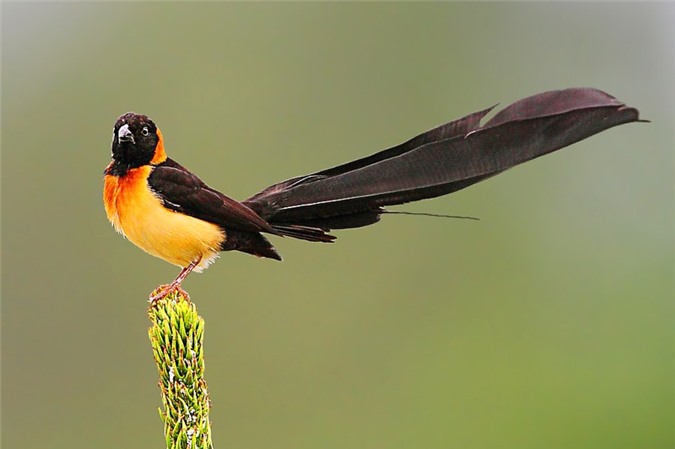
<point>175,284</point>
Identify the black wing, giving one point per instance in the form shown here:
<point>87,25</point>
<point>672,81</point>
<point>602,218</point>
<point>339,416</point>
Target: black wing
<point>182,191</point>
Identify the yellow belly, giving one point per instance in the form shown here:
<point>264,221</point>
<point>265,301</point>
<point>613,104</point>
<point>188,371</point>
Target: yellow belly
<point>140,216</point>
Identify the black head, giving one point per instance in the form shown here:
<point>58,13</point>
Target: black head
<point>135,141</point>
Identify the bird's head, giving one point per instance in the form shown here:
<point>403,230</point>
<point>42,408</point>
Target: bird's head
<point>136,141</point>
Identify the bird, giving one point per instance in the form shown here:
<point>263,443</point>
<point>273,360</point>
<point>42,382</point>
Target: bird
<point>169,212</point>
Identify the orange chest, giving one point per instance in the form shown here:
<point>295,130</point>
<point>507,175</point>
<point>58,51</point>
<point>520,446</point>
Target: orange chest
<point>137,213</point>
<point>128,196</point>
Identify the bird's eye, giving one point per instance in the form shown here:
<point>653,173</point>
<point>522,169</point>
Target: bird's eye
<point>145,131</point>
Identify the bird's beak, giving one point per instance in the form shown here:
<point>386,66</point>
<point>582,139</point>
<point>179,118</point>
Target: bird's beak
<point>125,134</point>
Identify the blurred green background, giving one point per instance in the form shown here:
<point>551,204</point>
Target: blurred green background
<point>549,323</point>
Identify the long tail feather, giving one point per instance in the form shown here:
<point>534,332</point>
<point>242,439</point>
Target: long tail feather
<point>304,232</point>
<point>440,161</point>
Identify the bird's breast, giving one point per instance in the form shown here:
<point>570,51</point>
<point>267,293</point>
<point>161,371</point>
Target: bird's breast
<point>138,213</point>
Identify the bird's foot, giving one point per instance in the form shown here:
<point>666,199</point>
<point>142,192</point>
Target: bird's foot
<point>164,290</point>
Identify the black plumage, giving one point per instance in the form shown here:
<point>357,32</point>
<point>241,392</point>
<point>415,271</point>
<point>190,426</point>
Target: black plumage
<point>441,161</point>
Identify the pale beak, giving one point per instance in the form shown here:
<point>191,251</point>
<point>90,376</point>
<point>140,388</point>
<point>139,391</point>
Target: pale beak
<point>125,134</point>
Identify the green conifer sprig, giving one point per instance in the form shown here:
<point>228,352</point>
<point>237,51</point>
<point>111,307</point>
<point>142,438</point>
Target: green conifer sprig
<point>177,337</point>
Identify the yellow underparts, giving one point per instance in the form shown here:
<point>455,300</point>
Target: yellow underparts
<point>139,215</point>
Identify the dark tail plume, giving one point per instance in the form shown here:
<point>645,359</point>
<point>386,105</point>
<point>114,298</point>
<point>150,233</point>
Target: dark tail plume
<point>440,161</point>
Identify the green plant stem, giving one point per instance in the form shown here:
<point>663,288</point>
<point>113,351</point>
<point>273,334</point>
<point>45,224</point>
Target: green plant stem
<point>177,336</point>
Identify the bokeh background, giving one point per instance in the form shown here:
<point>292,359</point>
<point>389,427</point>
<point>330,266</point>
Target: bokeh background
<point>549,323</point>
